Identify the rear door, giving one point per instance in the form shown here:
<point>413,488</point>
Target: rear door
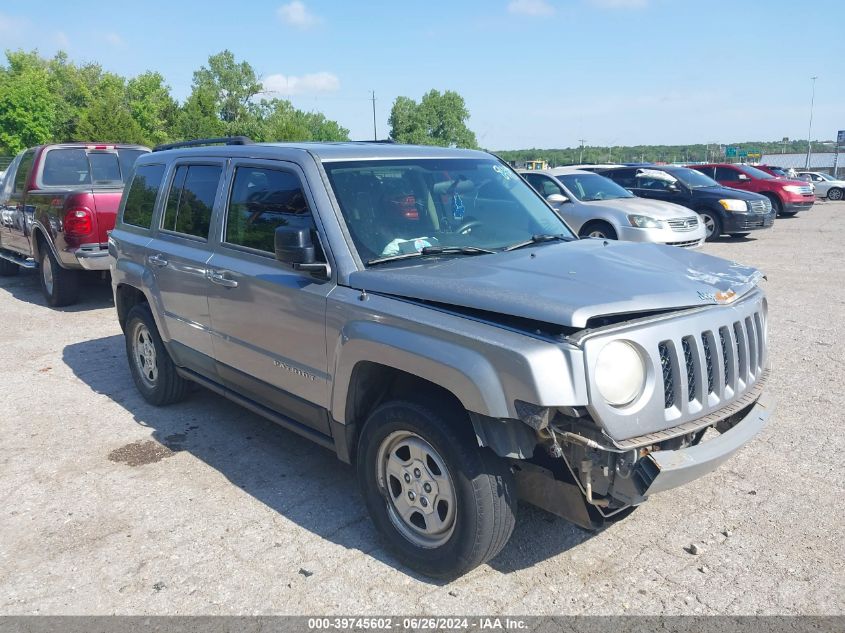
<point>16,216</point>
<point>178,256</point>
<point>269,320</point>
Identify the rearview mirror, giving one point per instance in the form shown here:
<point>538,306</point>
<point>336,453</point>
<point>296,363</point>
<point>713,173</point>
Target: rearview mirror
<point>556,198</point>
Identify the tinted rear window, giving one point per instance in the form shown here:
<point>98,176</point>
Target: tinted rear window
<point>191,200</point>
<point>75,166</point>
<point>141,197</point>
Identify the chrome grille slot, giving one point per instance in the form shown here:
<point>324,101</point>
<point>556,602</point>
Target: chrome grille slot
<point>760,206</point>
<point>751,337</point>
<point>760,344</point>
<point>726,362</point>
<point>741,352</point>
<point>683,224</point>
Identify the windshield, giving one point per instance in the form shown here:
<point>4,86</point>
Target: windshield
<point>398,207</point>
<point>777,171</point>
<point>754,172</point>
<point>693,179</point>
<point>591,187</point>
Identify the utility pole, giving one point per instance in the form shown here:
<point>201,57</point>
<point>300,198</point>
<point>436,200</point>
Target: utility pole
<point>375,133</point>
<point>581,153</point>
<point>810,129</point>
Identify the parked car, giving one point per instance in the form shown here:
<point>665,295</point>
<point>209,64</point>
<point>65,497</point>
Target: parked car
<point>777,172</point>
<point>57,205</point>
<point>424,313</point>
<point>788,197</point>
<point>595,206</point>
<point>825,186</point>
<point>722,210</point>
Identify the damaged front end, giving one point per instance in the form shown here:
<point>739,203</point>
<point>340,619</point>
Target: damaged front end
<point>703,398</point>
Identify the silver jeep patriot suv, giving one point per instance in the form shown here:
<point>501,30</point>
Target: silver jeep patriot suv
<point>425,314</point>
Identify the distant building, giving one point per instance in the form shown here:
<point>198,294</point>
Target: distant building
<point>823,161</point>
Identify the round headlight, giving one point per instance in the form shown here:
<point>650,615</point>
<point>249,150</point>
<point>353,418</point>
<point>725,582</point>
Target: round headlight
<point>620,373</point>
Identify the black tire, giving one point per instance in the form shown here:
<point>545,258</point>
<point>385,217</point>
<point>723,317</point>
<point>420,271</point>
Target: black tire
<point>164,385</point>
<point>777,205</point>
<point>482,485</point>
<point>713,219</point>
<point>598,229</point>
<point>59,285</point>
<point>7,268</point>
<point>835,194</point>
<point>739,235</point>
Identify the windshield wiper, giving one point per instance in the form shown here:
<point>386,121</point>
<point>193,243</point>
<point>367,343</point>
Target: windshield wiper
<point>433,250</point>
<point>537,239</point>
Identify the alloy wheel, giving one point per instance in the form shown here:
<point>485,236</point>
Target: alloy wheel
<point>144,354</point>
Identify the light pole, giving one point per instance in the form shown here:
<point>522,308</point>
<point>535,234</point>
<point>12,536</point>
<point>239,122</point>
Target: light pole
<point>810,129</point>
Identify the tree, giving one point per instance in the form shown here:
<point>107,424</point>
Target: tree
<point>109,118</point>
<point>27,106</point>
<point>439,119</point>
<point>152,106</point>
<point>231,84</point>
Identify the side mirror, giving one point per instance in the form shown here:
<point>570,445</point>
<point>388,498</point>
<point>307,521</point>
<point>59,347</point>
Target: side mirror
<point>294,246</point>
<point>673,187</point>
<point>742,177</point>
<point>556,198</point>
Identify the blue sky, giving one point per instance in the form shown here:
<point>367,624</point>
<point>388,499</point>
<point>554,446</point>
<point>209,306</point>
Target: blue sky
<point>534,73</point>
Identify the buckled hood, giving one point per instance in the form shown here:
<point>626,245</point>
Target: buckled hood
<point>567,283</point>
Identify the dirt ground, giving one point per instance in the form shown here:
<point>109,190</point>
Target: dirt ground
<point>111,506</point>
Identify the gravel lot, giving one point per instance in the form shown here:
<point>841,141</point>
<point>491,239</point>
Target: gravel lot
<point>110,505</point>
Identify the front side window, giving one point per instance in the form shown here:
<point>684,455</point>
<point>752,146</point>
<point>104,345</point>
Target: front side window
<point>191,200</point>
<point>592,187</point>
<point>141,196</point>
<point>262,200</point>
<point>727,174</point>
<point>397,207</point>
<point>755,173</point>
<point>544,185</point>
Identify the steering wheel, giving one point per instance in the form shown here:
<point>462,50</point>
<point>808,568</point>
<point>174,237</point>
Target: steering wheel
<point>466,226</point>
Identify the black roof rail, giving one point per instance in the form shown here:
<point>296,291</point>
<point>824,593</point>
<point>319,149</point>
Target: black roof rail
<point>381,140</point>
<point>221,140</point>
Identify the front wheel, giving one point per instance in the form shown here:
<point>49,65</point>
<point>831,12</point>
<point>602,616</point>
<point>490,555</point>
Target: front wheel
<point>835,194</point>
<point>712,225</point>
<point>601,230</point>
<point>442,504</point>
<point>59,285</point>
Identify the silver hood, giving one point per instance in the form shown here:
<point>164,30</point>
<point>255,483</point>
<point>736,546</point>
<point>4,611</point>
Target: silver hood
<point>566,283</point>
<point>643,206</point>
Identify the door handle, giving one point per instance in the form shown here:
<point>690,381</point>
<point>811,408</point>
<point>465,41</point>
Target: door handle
<point>157,260</point>
<point>221,279</point>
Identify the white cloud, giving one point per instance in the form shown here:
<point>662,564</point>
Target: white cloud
<point>530,7</point>
<point>288,85</point>
<point>619,4</point>
<point>297,14</point>
<point>114,39</point>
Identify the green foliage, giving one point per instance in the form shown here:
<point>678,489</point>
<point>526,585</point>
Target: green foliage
<point>27,106</point>
<point>438,119</point>
<point>55,100</point>
<point>712,152</point>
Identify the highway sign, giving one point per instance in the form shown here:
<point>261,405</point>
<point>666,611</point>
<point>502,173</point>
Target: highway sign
<point>730,152</point>
<point>840,137</point>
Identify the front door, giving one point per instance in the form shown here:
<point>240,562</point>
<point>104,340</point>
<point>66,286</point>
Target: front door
<point>269,320</point>
<point>177,257</point>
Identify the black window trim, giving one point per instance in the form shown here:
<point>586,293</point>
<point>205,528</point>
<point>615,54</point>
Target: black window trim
<point>170,177</point>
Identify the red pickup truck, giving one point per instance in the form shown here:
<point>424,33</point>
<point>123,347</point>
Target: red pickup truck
<point>788,196</point>
<point>57,206</point>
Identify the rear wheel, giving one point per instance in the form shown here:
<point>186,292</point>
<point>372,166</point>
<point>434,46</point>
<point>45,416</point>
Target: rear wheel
<point>835,194</point>
<point>7,268</point>
<point>442,504</point>
<point>152,369</point>
<point>59,285</point>
<point>601,230</point>
<point>712,225</point>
